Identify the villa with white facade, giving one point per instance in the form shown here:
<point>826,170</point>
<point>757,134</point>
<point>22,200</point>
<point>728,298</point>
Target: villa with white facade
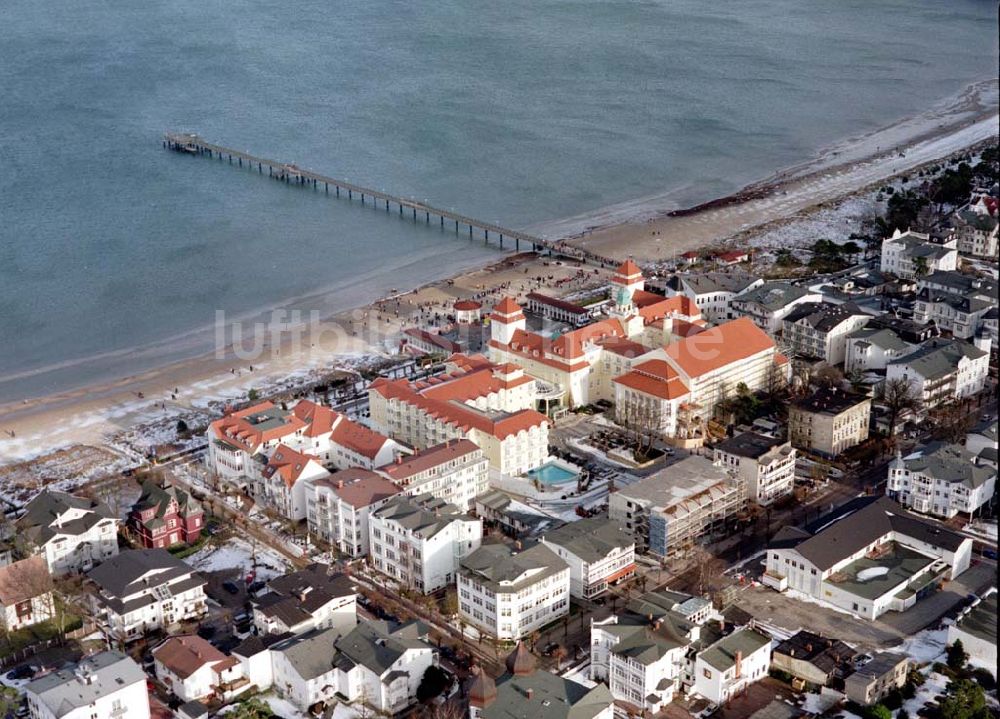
<point>599,553</point>
<point>911,254</point>
<point>73,534</point>
<point>767,465</point>
<point>941,480</point>
<point>340,505</point>
<point>942,370</point>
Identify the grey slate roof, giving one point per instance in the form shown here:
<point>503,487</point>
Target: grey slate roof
<point>950,463</point>
<point>938,358</point>
<point>38,521</point>
<point>722,654</point>
<point>824,316</point>
<point>821,652</point>
<point>707,282</point>
<point>63,691</point>
<point>863,521</point>
<point>880,337</point>
<point>749,444</point>
<point>552,697</point>
<point>424,513</point>
<point>376,645</point>
<point>492,564</point>
<point>773,296</point>
<point>591,539</point>
<point>981,620</point>
<point>124,574</point>
<point>311,654</point>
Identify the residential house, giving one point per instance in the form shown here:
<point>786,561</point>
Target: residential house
<point>524,690</point>
<point>729,666</point>
<point>813,658</point>
<point>957,303</point>
<point>829,421</point>
<point>976,232</point>
<point>976,628</point>
<point>339,507</point>
<point>941,480</point>
<point>820,329</point>
<point>145,589</point>
<point>912,254</point>
<point>872,348</point>
<point>73,533</point>
<point>509,592</point>
<point>869,558</point>
<point>942,370</point>
<point>768,305</point>
<point>598,551</point>
<point>192,669</point>
<point>673,509</point>
<point>869,684</point>
<point>376,663</point>
<point>420,541</point>
<point>165,515</point>
<point>765,464</point>
<point>25,594</point>
<point>981,442</point>
<point>514,518</point>
<point>107,685</point>
<point>453,471</point>
<point>310,598</point>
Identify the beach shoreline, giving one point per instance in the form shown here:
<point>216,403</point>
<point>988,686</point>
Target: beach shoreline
<point>90,413</point>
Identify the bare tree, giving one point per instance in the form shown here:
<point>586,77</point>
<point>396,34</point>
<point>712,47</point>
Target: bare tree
<point>898,396</point>
<point>642,421</point>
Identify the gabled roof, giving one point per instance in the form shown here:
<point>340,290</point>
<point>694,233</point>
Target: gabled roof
<point>184,655</point>
<point>949,463</point>
<point>499,566</point>
<point>437,456</point>
<point>376,646</point>
<point>79,686</point>
<point>160,497</point>
<point>591,539</point>
<point>39,523</point>
<point>424,514</point>
<point>742,643</point>
<point>248,428</point>
<point>359,487</point>
<point>287,464</point>
<point>773,296</point>
<point>126,573</point>
<point>938,358</point>
<point>655,378</point>
<point>23,580</point>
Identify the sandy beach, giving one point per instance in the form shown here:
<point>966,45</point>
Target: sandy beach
<point>90,415</point>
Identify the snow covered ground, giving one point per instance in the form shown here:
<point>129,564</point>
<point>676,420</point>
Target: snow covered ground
<point>237,553</point>
<point>580,674</point>
<point>926,646</point>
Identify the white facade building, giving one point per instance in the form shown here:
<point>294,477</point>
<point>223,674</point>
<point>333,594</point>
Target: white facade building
<point>74,534</point>
<point>598,551</point>
<point>286,482</point>
<point>726,668</point>
<point>872,348</point>
<point>767,465</point>
<point>108,685</point>
<point>455,471</point>
<point>820,329</point>
<point>911,254</point>
<point>767,305</point>
<point>941,480</point>
<point>509,593</point>
<point>339,507</point>
<point>942,370</point>
<point>192,670</point>
<point>713,292</point>
<point>420,541</point>
<point>145,589</point>
<point>25,594</point>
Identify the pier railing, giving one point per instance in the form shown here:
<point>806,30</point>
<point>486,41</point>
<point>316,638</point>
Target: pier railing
<point>292,174</point>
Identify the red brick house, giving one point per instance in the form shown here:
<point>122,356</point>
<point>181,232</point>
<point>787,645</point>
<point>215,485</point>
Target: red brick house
<point>165,515</point>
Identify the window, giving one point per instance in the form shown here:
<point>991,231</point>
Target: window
<point>707,673</point>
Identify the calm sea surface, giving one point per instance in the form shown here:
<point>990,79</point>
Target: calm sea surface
<point>114,251</point>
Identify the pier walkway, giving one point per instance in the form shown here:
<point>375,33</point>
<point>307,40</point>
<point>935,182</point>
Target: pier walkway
<point>292,174</point>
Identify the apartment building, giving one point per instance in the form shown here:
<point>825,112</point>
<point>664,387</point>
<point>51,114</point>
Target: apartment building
<point>509,592</point>
<point>192,670</point>
<point>598,551</point>
<point>976,231</point>
<point>141,590</point>
<point>419,541</point>
<point>911,254</point>
<point>238,441</point>
<point>673,509</point>
<point>829,421</point>
<point>454,471</point>
<point>957,303</point>
<point>942,370</point>
<point>165,515</point>
<point>869,558</point>
<point>73,534</point>
<point>872,348</point>
<point>712,292</point>
<point>768,305</point>
<point>491,405</point>
<point>941,480</point>
<point>339,507</point>
<point>107,685</point>
<point>287,480</point>
<point>820,329</point>
<point>765,464</point>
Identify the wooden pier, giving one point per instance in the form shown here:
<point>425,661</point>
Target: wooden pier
<point>292,174</point>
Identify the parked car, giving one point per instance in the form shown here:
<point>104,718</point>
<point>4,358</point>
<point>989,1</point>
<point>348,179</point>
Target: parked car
<point>231,587</point>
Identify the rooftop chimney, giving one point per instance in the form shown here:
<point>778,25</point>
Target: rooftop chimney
<point>529,692</point>
<point>739,664</point>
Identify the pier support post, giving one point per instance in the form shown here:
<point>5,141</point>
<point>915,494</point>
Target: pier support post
<point>350,194</point>
<point>442,220</point>
<point>427,217</point>
<point>517,244</point>
<point>456,227</point>
<point>470,232</point>
<point>414,213</point>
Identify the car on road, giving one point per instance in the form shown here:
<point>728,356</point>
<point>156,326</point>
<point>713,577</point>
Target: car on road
<point>25,671</point>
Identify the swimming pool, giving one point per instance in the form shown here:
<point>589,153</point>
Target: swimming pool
<point>552,473</point>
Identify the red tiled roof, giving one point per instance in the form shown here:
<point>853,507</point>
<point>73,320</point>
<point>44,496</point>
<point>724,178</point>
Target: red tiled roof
<point>402,469</point>
<point>679,306</point>
<point>237,429</point>
<point>507,306</point>
<point>288,464</point>
<point>186,654</point>
<point>23,580</point>
<point>656,378</point>
<point>733,255</point>
<point>319,418</point>
<point>435,340</point>
<point>623,347</point>
<point>467,305</point>
<point>628,269</point>
<point>359,487</point>
<point>719,346</point>
<point>358,438</point>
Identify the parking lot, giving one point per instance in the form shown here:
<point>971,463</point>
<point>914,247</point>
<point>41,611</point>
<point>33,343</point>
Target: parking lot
<point>890,629</point>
